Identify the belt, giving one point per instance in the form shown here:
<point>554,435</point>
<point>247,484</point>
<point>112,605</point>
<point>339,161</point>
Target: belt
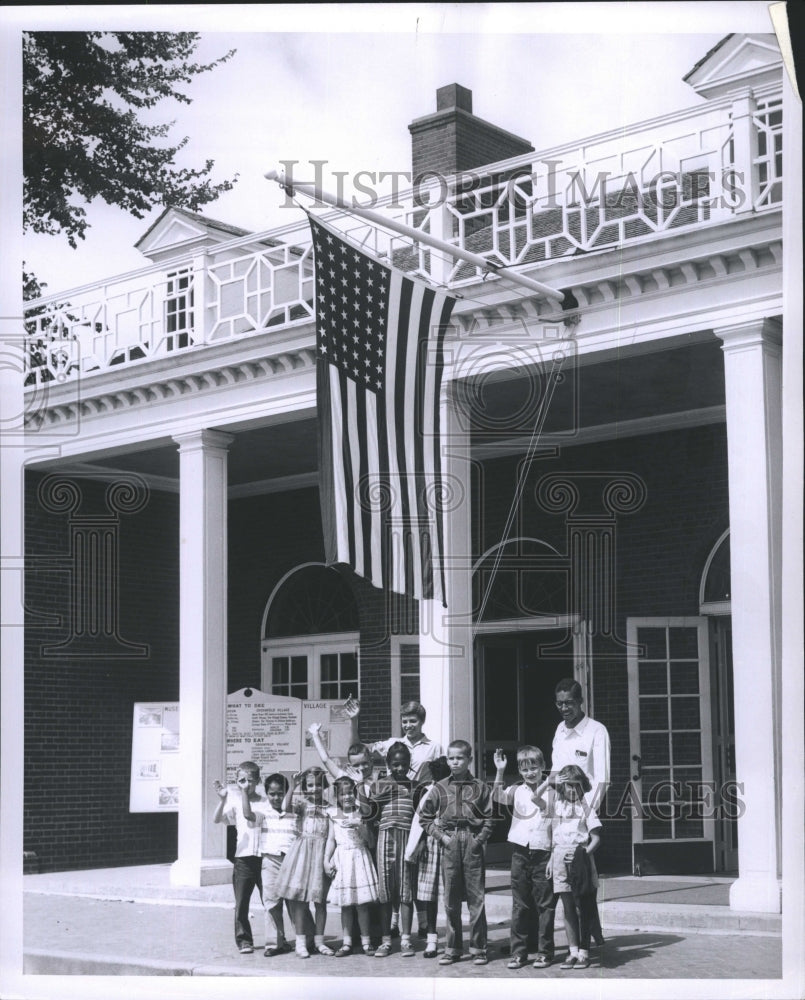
<point>458,824</point>
<point>531,850</point>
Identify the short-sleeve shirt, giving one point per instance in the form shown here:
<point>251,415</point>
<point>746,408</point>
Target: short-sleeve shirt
<point>587,745</point>
<point>248,831</point>
<point>422,752</point>
<point>278,829</point>
<point>531,824</point>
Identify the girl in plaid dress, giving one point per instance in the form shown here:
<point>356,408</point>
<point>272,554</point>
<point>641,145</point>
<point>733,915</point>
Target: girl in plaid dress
<point>348,860</point>
<point>302,879</point>
<point>426,853</point>
<point>393,796</point>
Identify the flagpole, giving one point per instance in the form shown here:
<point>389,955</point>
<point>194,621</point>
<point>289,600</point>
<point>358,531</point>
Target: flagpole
<point>312,191</point>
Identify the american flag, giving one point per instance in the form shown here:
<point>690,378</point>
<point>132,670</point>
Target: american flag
<point>380,359</point>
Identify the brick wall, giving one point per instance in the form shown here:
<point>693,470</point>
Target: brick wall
<point>78,711</point>
<point>270,535</point>
<point>660,554</point>
<point>78,708</point>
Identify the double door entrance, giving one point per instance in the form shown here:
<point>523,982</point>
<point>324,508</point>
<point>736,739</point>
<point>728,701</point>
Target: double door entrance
<point>516,674</point>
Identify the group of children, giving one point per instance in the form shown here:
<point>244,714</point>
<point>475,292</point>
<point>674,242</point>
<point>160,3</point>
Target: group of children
<point>382,846</point>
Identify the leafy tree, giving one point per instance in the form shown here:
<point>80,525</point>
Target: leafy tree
<point>83,137</point>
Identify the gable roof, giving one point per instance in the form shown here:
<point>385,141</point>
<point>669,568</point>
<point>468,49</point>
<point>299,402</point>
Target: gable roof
<point>736,62</point>
<point>178,230</point>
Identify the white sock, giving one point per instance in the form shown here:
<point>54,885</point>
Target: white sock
<point>366,941</point>
<point>433,940</point>
<point>347,942</point>
<point>318,939</point>
<point>386,939</point>
<point>405,939</point>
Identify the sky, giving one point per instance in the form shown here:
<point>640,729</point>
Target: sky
<point>346,91</point>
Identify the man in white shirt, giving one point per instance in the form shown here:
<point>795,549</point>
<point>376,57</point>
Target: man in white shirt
<point>582,741</point>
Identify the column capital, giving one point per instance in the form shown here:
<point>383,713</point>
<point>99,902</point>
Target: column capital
<point>766,332</point>
<point>204,439</point>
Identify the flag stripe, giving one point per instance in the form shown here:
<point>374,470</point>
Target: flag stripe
<point>380,359</point>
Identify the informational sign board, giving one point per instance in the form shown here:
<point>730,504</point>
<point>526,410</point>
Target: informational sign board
<point>155,757</point>
<point>271,730</point>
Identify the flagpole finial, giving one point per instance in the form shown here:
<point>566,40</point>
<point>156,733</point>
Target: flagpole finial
<point>279,177</point>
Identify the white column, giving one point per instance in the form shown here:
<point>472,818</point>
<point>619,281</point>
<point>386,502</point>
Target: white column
<point>445,634</point>
<point>202,654</point>
<point>752,369</point>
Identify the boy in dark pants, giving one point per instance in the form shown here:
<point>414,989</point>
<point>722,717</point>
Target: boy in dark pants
<point>530,835</point>
<point>248,861</point>
<point>458,813</point>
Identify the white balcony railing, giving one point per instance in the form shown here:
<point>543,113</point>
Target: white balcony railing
<point>721,160</point>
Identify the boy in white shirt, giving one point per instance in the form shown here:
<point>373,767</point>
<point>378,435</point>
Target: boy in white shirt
<point>530,835</point>
<point>248,862</point>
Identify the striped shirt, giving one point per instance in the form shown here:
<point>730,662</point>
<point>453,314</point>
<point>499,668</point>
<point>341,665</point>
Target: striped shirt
<point>278,830</point>
<point>396,803</point>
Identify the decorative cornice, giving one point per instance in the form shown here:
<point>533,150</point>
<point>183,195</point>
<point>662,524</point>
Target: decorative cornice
<point>172,386</point>
<point>671,277</point>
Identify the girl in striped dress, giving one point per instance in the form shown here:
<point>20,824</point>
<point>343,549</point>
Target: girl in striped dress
<point>348,861</point>
<point>302,879</point>
<point>393,796</point>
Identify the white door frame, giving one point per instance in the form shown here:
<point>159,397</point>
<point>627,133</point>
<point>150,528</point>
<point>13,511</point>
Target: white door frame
<point>700,623</point>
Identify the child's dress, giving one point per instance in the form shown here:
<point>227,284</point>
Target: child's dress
<point>302,876</point>
<point>572,823</point>
<point>428,859</point>
<point>355,879</point>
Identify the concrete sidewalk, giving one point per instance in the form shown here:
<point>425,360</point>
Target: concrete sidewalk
<point>130,921</point>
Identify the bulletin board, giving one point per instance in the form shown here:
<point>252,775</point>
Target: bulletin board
<point>154,783</point>
<point>271,730</point>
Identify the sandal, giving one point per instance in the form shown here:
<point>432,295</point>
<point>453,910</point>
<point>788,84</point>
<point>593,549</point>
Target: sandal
<point>383,950</point>
<point>343,951</point>
<point>324,949</point>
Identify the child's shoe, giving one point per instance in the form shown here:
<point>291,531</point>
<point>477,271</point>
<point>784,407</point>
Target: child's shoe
<point>245,948</point>
<point>480,958</point>
<point>541,962</point>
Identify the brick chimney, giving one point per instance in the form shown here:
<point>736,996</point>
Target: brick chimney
<point>454,139</point>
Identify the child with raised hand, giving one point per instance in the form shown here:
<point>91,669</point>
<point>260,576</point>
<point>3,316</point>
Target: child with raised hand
<point>233,806</point>
<point>279,828</point>
<point>533,900</point>
<point>302,879</point>
<point>349,863</point>
<point>393,795</point>
<point>425,853</point>
<point>575,837</point>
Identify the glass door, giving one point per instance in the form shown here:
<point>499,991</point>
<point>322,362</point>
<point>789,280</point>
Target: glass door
<point>670,746</point>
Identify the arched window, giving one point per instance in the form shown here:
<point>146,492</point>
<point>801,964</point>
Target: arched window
<point>714,590</point>
<point>310,636</point>
<point>524,578</point>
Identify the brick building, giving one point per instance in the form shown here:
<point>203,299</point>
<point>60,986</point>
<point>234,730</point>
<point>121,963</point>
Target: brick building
<point>643,556</point>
